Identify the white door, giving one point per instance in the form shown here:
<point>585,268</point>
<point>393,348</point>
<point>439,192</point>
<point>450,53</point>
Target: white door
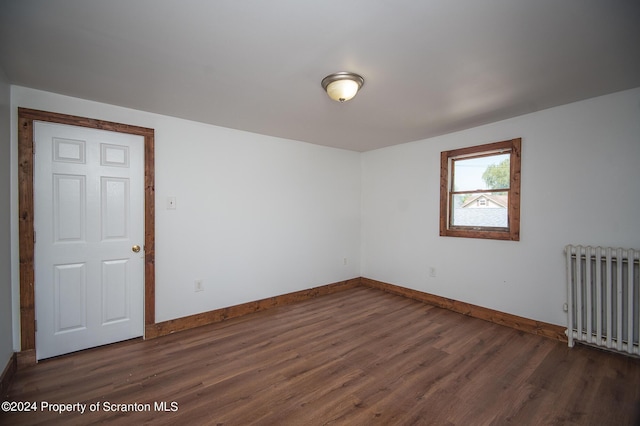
<point>89,218</point>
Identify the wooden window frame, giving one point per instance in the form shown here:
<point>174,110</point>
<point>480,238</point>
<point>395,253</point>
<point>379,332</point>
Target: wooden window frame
<point>512,232</point>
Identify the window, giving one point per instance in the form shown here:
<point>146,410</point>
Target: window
<point>480,191</point>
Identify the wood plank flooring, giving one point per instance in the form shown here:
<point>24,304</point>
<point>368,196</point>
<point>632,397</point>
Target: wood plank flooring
<point>357,357</point>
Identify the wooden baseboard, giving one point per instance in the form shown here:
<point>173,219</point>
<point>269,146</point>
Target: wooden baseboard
<point>7,375</point>
<point>539,328</point>
<point>179,324</point>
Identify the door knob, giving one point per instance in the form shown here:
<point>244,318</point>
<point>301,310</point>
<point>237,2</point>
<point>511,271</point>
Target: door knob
<point>135,248</point>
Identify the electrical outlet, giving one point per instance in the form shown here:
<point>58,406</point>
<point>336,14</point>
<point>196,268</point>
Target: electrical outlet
<point>345,261</point>
<point>199,286</point>
<point>432,271</point>
<point>171,203</point>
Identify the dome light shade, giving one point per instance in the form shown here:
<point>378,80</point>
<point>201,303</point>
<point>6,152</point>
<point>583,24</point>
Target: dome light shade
<point>342,86</point>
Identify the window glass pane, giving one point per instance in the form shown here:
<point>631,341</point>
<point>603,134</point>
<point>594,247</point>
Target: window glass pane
<point>480,210</point>
<point>490,172</point>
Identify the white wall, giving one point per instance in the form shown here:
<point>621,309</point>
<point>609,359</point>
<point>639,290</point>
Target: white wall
<point>256,216</point>
<point>6,342</point>
<point>580,184</point>
<point>259,216</point>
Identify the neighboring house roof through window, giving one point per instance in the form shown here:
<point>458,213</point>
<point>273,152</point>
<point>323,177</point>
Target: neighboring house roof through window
<point>500,200</point>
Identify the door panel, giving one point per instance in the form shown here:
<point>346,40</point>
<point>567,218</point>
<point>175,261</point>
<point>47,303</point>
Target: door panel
<point>114,291</point>
<point>89,212</point>
<point>69,203</point>
<point>115,208</point>
<point>70,306</point>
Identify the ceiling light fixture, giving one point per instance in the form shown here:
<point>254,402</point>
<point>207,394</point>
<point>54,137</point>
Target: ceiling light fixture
<point>342,86</point>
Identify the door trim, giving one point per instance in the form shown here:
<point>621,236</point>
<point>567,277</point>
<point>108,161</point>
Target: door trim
<point>26,117</point>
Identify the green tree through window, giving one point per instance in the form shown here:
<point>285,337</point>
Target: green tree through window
<point>496,176</point>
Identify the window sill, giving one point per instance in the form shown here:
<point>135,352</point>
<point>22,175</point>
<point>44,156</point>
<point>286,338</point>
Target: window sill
<point>481,233</point>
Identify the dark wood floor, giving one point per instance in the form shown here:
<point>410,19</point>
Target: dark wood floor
<point>358,357</point>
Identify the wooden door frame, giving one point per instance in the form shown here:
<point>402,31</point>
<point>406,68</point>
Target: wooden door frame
<point>26,117</point>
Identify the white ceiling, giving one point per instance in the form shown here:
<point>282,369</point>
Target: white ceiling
<point>430,66</point>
